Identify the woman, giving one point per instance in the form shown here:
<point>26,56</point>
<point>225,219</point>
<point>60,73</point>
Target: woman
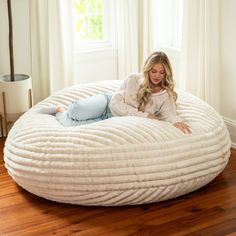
<point>149,94</point>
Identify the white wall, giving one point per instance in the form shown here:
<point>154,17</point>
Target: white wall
<point>228,66</point>
<point>96,66</point>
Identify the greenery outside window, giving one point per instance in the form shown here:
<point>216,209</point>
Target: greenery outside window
<point>93,24</point>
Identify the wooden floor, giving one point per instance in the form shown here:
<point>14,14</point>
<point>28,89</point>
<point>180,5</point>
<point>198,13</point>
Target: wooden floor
<point>208,211</point>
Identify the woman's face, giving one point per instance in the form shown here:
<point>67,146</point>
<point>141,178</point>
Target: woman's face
<point>156,74</point>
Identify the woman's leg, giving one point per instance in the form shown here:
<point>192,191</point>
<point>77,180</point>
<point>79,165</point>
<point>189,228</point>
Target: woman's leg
<point>107,113</point>
<point>50,110</point>
<point>66,120</point>
<point>86,111</point>
<point>88,108</point>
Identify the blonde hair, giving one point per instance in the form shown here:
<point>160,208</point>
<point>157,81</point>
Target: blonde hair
<point>145,91</point>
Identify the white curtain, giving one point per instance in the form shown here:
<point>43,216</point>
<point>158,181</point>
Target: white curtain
<point>200,62</point>
<point>52,46</point>
<point>134,34</point>
<point>146,29</point>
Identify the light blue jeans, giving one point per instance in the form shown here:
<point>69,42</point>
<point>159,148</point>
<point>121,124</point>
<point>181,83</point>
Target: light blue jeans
<point>86,111</point>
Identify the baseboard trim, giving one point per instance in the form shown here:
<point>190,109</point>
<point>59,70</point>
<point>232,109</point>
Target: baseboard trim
<point>231,125</point>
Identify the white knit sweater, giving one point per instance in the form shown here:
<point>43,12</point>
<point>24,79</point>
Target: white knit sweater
<point>124,102</point>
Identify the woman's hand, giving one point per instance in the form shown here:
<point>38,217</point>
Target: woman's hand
<point>183,127</point>
<point>151,116</point>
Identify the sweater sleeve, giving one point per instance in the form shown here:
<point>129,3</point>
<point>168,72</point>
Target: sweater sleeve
<point>119,107</point>
<point>168,112</point>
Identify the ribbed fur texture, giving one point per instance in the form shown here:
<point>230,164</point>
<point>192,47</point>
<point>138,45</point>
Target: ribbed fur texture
<point>119,161</point>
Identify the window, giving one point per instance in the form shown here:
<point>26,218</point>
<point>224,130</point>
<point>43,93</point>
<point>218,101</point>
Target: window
<point>168,22</point>
<point>93,24</point>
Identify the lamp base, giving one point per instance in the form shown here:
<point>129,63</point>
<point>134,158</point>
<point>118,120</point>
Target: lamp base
<point>5,122</point>
<point>16,98</point>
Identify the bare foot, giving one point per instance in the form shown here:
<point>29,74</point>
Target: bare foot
<point>60,109</point>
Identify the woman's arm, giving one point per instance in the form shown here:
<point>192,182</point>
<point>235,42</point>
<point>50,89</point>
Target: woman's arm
<point>118,105</point>
<point>168,113</point>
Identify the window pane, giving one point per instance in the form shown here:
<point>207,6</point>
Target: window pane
<point>89,19</point>
<point>92,6</point>
<point>81,27</point>
<point>79,6</point>
<point>95,32</point>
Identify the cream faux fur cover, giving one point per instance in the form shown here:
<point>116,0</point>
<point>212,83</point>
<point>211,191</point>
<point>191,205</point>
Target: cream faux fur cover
<point>119,161</point>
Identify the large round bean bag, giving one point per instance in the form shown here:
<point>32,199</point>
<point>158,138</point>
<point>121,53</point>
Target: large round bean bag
<point>118,161</point>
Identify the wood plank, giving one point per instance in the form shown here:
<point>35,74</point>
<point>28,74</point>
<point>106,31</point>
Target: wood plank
<point>210,210</point>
